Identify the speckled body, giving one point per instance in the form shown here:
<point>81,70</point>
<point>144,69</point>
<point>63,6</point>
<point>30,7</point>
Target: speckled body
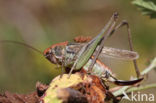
<point>67,54</point>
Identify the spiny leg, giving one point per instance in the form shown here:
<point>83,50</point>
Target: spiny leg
<point>125,23</point>
<point>62,65</point>
<point>97,53</point>
<point>62,69</point>
<point>85,48</point>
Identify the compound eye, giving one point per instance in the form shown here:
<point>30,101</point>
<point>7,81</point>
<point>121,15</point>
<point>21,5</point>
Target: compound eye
<point>58,51</point>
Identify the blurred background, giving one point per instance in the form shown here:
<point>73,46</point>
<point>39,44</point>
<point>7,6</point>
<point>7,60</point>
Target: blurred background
<point>41,23</point>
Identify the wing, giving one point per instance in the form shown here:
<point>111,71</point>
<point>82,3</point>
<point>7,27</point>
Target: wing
<point>119,53</point>
<point>106,52</point>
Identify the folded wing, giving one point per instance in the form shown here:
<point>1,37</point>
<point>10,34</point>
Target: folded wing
<point>119,53</point>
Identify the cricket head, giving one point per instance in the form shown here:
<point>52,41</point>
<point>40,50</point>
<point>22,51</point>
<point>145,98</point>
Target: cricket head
<point>55,53</point>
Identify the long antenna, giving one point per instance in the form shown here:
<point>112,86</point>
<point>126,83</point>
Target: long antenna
<point>20,43</point>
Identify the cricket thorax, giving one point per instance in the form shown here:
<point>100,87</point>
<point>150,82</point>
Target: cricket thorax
<point>71,51</point>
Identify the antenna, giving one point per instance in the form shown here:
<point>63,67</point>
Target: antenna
<point>20,43</point>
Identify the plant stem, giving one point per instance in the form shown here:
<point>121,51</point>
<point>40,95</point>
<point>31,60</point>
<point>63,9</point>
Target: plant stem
<point>130,88</point>
<point>141,87</point>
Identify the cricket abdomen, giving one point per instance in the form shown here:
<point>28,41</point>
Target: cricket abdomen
<point>99,69</point>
